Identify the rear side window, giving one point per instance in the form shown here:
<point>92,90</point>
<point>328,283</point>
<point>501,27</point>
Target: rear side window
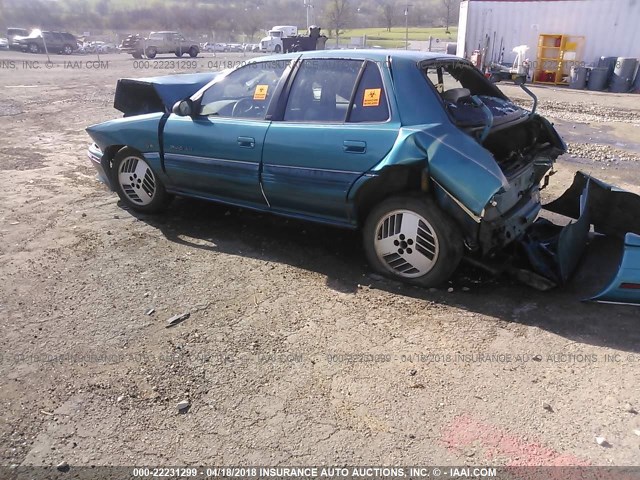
<point>322,90</point>
<point>370,102</point>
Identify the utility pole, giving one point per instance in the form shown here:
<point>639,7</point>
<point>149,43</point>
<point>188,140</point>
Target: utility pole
<point>308,6</point>
<point>406,26</point>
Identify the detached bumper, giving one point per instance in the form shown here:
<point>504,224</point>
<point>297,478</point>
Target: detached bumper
<point>554,252</point>
<point>96,156</point>
<point>624,289</point>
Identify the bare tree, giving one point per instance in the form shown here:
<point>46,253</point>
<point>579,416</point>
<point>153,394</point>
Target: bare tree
<point>338,14</point>
<point>449,7</point>
<point>389,15</point>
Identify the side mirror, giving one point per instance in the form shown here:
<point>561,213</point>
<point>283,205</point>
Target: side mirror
<point>183,108</point>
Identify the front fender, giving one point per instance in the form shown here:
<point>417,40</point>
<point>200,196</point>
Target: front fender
<point>139,132</point>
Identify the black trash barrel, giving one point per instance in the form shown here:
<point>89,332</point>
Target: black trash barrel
<point>623,75</point>
<point>609,63</point>
<point>578,78</point>
<point>598,79</point>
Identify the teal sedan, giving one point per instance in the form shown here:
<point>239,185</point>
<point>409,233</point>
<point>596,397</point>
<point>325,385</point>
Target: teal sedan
<point>423,154</point>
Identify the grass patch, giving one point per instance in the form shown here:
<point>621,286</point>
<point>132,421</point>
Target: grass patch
<point>398,33</point>
<point>379,36</point>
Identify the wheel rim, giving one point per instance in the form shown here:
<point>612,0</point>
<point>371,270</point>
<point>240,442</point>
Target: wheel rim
<point>33,48</point>
<point>67,50</point>
<point>406,244</point>
<point>137,180</point>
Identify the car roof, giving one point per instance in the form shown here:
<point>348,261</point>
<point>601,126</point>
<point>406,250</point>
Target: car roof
<point>376,55</point>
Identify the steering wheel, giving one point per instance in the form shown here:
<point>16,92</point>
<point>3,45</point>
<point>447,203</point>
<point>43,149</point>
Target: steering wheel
<point>245,107</point>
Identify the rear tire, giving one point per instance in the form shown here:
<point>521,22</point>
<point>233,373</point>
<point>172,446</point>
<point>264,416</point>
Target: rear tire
<point>137,184</point>
<point>411,240</point>
<point>33,48</point>
<point>179,53</point>
<point>193,52</point>
<point>137,55</point>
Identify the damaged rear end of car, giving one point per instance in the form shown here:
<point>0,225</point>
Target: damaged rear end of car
<point>507,231</point>
<point>507,152</point>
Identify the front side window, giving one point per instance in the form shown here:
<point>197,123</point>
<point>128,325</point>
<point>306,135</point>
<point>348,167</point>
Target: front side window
<point>244,93</point>
<point>322,90</point>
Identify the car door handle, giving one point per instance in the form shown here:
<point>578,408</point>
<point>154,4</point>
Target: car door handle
<point>352,146</point>
<point>247,142</point>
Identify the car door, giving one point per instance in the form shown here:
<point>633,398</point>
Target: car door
<point>49,42</point>
<point>216,153</point>
<point>179,44</point>
<point>337,125</point>
<point>172,43</point>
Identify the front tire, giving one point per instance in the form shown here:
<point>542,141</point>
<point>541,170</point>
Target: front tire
<point>136,183</point>
<point>67,49</point>
<point>411,240</point>
<point>193,52</point>
<point>33,48</point>
<point>151,52</point>
<point>277,49</point>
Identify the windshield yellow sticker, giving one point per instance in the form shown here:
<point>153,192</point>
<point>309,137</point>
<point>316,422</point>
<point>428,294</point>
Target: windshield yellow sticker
<point>371,97</point>
<point>261,92</point>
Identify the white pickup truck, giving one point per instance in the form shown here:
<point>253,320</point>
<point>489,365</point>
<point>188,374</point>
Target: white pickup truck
<point>273,41</point>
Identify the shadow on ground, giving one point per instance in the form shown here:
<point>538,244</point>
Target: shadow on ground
<point>337,254</point>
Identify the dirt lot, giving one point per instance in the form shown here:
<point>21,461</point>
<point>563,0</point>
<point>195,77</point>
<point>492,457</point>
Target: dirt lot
<point>294,352</point>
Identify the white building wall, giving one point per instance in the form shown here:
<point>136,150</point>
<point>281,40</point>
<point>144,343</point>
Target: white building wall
<point>610,27</point>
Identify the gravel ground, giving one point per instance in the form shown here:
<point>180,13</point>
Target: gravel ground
<point>293,352</point>
<point>579,106</point>
<point>601,153</point>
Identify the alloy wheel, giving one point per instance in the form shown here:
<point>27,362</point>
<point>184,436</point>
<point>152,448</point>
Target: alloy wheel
<point>406,243</point>
<point>137,180</point>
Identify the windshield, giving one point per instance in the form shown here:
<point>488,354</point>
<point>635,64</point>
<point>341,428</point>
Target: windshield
<point>275,33</point>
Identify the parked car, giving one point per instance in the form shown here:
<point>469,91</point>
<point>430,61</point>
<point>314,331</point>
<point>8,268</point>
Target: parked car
<point>418,150</point>
<point>13,32</point>
<point>212,47</point>
<point>44,41</point>
<point>234,47</point>
<point>106,47</point>
<point>4,44</point>
<point>133,44</point>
